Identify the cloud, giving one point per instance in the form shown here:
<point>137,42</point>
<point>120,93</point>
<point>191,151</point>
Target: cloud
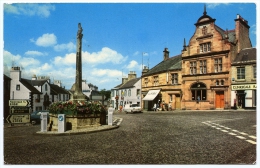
<point>46,66</point>
<point>106,55</point>
<point>253,29</point>
<point>46,40</point>
<point>214,5</point>
<point>68,59</point>
<point>133,65</point>
<point>29,9</point>
<point>10,59</point>
<point>105,72</point>
<point>61,47</point>
<point>136,53</point>
<point>25,62</point>
<point>34,53</point>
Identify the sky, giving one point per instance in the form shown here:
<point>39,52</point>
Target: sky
<point>117,37</point>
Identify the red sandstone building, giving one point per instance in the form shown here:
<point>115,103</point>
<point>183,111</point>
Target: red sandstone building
<point>200,77</point>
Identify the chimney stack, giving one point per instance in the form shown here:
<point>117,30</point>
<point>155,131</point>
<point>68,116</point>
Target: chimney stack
<point>165,54</point>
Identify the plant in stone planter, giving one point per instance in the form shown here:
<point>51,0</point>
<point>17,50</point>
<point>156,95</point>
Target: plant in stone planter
<point>79,107</point>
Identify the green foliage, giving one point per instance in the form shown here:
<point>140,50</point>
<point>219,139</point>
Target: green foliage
<point>74,108</point>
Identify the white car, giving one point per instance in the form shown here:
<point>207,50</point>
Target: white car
<point>132,108</point>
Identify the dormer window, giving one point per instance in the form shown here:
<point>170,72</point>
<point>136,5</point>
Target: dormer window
<point>205,47</point>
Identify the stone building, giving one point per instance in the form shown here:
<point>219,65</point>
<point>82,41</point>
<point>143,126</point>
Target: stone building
<point>243,79</point>
<point>200,77</point>
<point>162,83</point>
<point>206,63</point>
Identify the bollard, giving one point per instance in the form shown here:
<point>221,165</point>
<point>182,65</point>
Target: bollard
<point>44,118</point>
<point>110,116</point>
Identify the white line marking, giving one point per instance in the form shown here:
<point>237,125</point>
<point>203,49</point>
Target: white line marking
<point>226,127</point>
<point>243,133</point>
<point>218,128</point>
<point>232,133</point>
<point>240,137</point>
<point>252,137</point>
<point>226,119</point>
<point>224,130</point>
<point>235,130</point>
<point>250,141</point>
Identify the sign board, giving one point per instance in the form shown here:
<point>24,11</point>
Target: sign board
<point>22,103</point>
<point>244,87</point>
<point>61,123</point>
<point>19,109</point>
<point>18,118</point>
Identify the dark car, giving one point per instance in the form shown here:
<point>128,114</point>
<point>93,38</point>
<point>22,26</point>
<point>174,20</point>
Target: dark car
<point>36,116</point>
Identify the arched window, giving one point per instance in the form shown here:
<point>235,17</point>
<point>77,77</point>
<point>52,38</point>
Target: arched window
<point>217,82</point>
<point>198,91</point>
<point>222,82</point>
<point>129,92</point>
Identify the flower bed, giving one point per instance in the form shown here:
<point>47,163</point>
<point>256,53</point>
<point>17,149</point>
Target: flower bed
<point>77,108</point>
<point>78,114</point>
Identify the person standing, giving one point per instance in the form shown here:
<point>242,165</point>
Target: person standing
<point>154,107</point>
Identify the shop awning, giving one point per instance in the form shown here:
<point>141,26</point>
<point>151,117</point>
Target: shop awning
<point>151,95</point>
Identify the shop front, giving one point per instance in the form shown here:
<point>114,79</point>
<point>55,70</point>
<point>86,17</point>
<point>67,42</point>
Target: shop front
<point>243,96</point>
<point>152,97</point>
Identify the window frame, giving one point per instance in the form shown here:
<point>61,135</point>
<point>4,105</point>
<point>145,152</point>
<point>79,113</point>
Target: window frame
<point>18,87</point>
<point>218,64</point>
<point>240,74</point>
<point>193,67</point>
<point>174,78</point>
<point>205,47</point>
<point>203,66</point>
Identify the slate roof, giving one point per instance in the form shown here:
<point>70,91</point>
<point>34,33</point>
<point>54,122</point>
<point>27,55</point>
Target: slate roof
<point>173,63</point>
<point>245,55</point>
<point>55,89</point>
<point>129,84</point>
<point>231,34</point>
<point>28,85</point>
<point>36,82</point>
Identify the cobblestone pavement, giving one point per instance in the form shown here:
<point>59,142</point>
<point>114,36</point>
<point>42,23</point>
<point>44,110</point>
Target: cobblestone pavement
<point>183,138</point>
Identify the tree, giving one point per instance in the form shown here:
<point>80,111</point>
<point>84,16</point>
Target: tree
<point>106,93</point>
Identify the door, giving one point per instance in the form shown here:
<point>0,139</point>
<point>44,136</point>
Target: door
<point>219,99</point>
<point>178,102</point>
<point>241,100</point>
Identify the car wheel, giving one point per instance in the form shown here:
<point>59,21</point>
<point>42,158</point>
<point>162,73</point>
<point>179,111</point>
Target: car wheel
<point>33,122</point>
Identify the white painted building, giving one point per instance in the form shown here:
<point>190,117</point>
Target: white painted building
<point>86,89</point>
<point>129,92</point>
<point>38,91</point>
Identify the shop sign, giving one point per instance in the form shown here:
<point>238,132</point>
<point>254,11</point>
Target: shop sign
<point>244,87</point>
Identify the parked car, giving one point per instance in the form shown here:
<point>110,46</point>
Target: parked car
<point>36,117</point>
<point>132,108</point>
